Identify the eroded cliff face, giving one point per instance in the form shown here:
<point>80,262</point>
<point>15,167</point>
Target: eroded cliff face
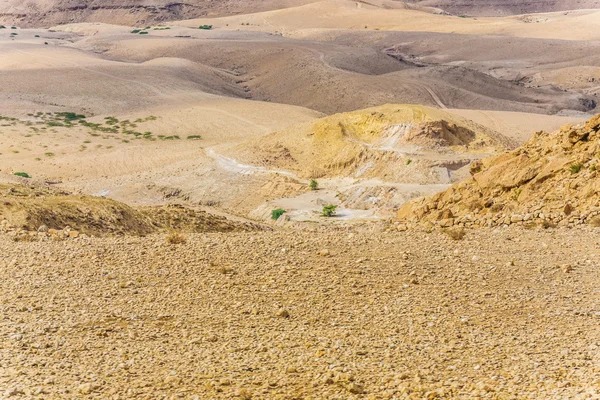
<point>507,7</point>
<point>552,179</point>
<point>46,13</point>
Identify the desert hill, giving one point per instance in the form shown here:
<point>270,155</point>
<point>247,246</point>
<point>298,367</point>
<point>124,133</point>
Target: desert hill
<point>25,210</point>
<point>507,7</point>
<point>552,179</point>
<point>372,142</point>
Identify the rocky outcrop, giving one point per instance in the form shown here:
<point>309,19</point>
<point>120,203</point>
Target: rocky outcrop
<point>552,179</point>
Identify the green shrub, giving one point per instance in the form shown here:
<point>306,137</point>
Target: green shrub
<point>314,185</point>
<point>37,36</point>
<point>206,27</point>
<point>22,174</point>
<point>2,27</point>
<point>49,154</point>
<point>329,210</point>
<point>408,162</point>
<point>575,168</point>
<point>70,116</point>
<point>275,214</point>
<point>13,27</point>
<point>136,31</point>
<point>143,33</point>
<point>194,137</point>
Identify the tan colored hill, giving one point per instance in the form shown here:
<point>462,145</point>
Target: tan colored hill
<point>352,15</point>
<point>374,142</point>
<point>552,179</point>
<point>31,209</point>
<point>507,7</point>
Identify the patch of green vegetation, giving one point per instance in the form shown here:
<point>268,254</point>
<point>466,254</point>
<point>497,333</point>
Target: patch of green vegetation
<point>408,162</point>
<point>136,31</point>
<point>2,27</point>
<point>70,116</point>
<point>37,36</point>
<point>55,123</point>
<point>22,174</point>
<point>13,34</point>
<point>275,214</point>
<point>111,121</point>
<point>49,154</point>
<point>194,137</point>
<point>143,33</point>
<point>575,168</point>
<point>140,120</point>
<point>205,27</point>
<point>314,185</point>
<point>593,167</point>
<point>329,210</point>
<point>13,27</point>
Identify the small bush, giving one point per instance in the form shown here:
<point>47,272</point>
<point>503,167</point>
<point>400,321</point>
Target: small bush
<point>194,137</point>
<point>2,27</point>
<point>408,162</point>
<point>136,31</point>
<point>593,167</point>
<point>37,36</point>
<point>22,174</point>
<point>329,210</point>
<point>49,154</point>
<point>275,214</point>
<point>205,27</point>
<point>455,233</point>
<point>575,168</point>
<point>314,185</point>
<point>176,238</point>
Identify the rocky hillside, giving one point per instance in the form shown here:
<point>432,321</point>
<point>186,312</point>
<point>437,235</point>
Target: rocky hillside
<point>130,12</point>
<point>392,141</point>
<point>552,179</point>
<point>27,211</point>
<point>507,7</point>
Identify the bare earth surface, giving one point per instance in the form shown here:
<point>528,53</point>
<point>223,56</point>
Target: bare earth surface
<point>276,316</point>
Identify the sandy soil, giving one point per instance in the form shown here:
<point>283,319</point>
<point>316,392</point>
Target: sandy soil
<point>346,14</point>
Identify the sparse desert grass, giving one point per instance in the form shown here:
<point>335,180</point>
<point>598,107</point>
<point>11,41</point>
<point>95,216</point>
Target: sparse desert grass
<point>194,137</point>
<point>175,237</point>
<point>22,174</point>
<point>575,168</point>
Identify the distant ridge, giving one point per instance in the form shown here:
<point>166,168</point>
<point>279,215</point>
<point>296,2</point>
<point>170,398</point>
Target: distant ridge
<point>496,8</point>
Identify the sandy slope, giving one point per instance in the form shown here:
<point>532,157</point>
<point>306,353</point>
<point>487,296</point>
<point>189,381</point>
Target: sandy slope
<point>347,14</point>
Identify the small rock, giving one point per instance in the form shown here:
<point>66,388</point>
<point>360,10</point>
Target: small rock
<point>43,228</point>
<point>283,313</point>
<point>324,253</point>
<point>566,268</point>
<point>355,388</point>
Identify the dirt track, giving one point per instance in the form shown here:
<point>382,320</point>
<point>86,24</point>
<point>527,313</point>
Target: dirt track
<point>272,316</point>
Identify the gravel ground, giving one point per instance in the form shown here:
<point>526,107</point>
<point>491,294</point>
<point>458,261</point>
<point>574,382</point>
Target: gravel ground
<point>507,314</point>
